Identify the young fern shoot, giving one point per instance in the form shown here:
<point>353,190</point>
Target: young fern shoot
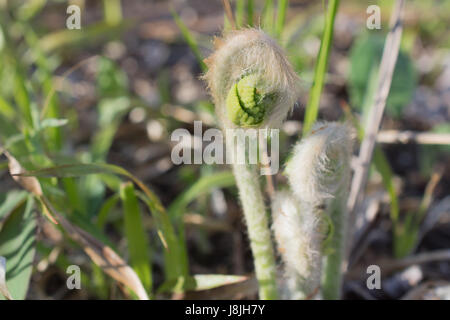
<point>299,241</point>
<point>318,174</point>
<point>253,86</point>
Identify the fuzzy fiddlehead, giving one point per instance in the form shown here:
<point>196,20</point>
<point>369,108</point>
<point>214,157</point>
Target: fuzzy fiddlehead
<point>253,86</point>
<point>251,80</point>
<point>299,238</point>
<point>318,174</point>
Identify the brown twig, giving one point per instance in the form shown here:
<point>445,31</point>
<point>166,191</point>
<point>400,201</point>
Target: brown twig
<point>396,136</point>
<point>388,61</point>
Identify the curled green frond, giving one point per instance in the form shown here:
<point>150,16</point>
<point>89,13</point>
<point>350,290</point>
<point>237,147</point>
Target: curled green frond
<point>247,103</point>
<point>251,80</point>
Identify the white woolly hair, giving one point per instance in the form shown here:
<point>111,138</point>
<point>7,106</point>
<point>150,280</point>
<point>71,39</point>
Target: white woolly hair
<point>246,51</point>
<point>320,164</point>
<point>299,239</point>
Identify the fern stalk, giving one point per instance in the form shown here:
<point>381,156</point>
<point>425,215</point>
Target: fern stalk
<point>247,180</point>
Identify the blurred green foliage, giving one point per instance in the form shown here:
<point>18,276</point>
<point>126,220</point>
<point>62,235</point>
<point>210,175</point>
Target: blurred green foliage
<point>38,122</point>
<point>365,58</point>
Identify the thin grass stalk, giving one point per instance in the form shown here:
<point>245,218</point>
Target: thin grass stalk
<point>312,108</point>
<point>281,16</point>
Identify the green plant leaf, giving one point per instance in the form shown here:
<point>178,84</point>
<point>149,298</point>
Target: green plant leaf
<point>365,55</point>
<point>30,8</point>
<point>17,245</point>
<point>203,185</point>
<point>10,201</point>
<point>137,240</point>
<point>166,232</point>
<point>178,206</point>
<point>189,38</point>
<point>22,98</point>
<point>106,208</point>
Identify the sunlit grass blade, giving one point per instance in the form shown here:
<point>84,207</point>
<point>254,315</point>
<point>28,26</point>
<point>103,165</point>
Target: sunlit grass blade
<point>209,281</point>
<point>312,108</point>
<point>22,99</point>
<point>203,185</point>
<point>178,206</point>
<point>281,16</point>
<point>54,137</point>
<point>105,210</point>
<point>407,233</point>
<point>166,232</point>
<point>268,16</point>
<point>30,8</point>
<point>85,36</point>
<point>137,240</point>
<point>240,13</point>
<point>250,7</point>
<point>190,40</point>
<point>112,10</point>
<point>383,167</point>
<point>6,110</point>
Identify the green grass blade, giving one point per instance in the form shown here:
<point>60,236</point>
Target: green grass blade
<point>268,16</point>
<point>312,108</point>
<point>178,206</point>
<point>382,166</point>
<point>87,35</point>
<point>240,12</point>
<point>210,281</point>
<point>166,232</point>
<point>281,16</point>
<point>22,99</point>
<point>74,197</point>
<point>30,9</point>
<point>189,38</point>
<point>250,8</point>
<point>6,110</point>
<point>106,208</point>
<point>53,138</point>
<point>174,266</point>
<point>137,240</point>
<point>203,185</point>
<point>112,10</point>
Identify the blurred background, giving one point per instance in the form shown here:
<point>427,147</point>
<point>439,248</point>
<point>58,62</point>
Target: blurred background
<point>114,90</point>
